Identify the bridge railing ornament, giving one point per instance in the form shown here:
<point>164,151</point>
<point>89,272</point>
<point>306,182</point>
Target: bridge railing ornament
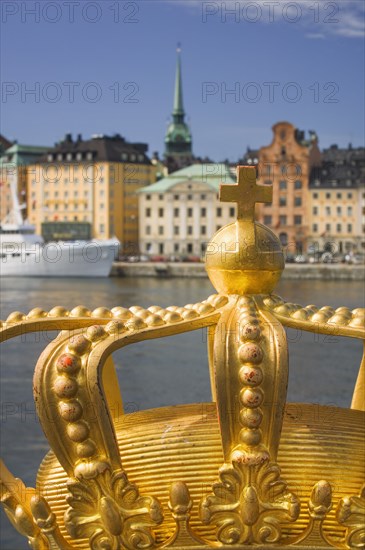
<point>248,474</point>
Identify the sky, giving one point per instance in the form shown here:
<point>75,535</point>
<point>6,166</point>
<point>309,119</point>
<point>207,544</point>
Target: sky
<point>108,67</point>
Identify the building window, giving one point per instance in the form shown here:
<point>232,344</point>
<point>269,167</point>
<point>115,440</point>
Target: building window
<point>160,212</point>
<point>232,212</point>
<point>297,220</point>
<point>160,229</point>
<point>315,210</point>
<point>148,212</point>
<point>267,220</point>
<point>315,195</point>
<point>282,184</point>
<point>203,230</point>
<point>190,197</point>
<point>338,228</point>
<point>282,220</point>
<point>101,205</point>
<point>89,156</point>
<point>148,230</point>
<point>148,197</point>
<point>176,229</point>
<point>349,228</point>
<point>189,248</point>
<point>283,239</point>
<point>339,195</point>
<point>176,247</point>
<point>160,197</point>
<point>160,248</point>
<point>190,212</point>
<point>328,195</point>
<point>298,184</point>
<point>297,201</point>
<point>219,212</point>
<point>190,229</point>
<point>218,227</point>
<point>349,195</point>
<point>203,197</point>
<point>328,227</point>
<point>50,158</point>
<point>282,201</point>
<point>203,212</point>
<point>176,197</point>
<point>315,228</point>
<point>176,212</point>
<point>349,210</point>
<point>328,210</point>
<point>268,182</point>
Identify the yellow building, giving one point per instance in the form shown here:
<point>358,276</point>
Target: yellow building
<point>13,172</point>
<point>335,201</point>
<point>90,183</point>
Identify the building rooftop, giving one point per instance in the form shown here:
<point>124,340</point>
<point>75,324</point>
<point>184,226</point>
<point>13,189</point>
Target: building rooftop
<point>211,174</point>
<point>340,168</point>
<point>98,149</point>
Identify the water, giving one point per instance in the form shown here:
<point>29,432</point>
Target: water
<point>162,372</point>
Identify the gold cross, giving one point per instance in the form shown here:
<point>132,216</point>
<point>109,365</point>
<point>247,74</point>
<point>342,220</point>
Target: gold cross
<point>246,193</point>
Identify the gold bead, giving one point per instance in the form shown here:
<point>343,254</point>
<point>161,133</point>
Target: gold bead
<point>65,387</point>
<point>15,317</point>
<point>36,313</point>
<point>68,364</point>
<point>116,327</point>
<point>172,317</point>
<point>251,398</point>
<point>251,376</point>
<point>250,353</point>
<point>78,431</point>
<point>154,320</point>
<point>79,344</point>
<point>250,437</point>
<point>102,312</point>
<point>95,332</point>
<point>58,311</point>
<point>70,410</point>
<point>251,418</point>
<point>80,311</point>
<point>86,449</point>
<point>135,324</point>
<point>121,313</point>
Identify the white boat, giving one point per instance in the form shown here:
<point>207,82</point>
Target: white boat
<point>24,254</point>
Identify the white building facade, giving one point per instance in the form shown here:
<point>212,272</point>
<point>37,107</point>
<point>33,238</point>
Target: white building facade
<point>179,214</point>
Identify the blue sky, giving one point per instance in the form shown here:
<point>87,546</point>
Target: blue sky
<point>108,67</point>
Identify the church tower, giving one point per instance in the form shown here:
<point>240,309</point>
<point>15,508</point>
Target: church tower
<point>178,140</point>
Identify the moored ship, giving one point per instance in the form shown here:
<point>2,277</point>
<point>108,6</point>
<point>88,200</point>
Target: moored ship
<point>23,253</point>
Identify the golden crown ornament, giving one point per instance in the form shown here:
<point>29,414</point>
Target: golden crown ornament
<point>242,471</point>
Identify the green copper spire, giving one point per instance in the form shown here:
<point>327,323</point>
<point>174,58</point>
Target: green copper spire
<point>178,98</point>
<point>178,141</point>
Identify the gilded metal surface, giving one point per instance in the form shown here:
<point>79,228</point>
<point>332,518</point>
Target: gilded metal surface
<point>247,469</point>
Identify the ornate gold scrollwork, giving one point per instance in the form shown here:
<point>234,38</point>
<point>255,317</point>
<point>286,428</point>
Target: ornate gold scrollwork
<point>351,514</point>
<point>249,504</point>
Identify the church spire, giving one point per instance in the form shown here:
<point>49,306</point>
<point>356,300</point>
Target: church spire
<point>178,141</point>
<point>178,98</point>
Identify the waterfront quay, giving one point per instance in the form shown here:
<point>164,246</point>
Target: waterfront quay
<point>324,272</point>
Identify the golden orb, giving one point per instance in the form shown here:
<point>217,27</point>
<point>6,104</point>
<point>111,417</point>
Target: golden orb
<point>239,262</point>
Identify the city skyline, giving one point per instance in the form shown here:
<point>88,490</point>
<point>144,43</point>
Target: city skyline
<point>83,83</point>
